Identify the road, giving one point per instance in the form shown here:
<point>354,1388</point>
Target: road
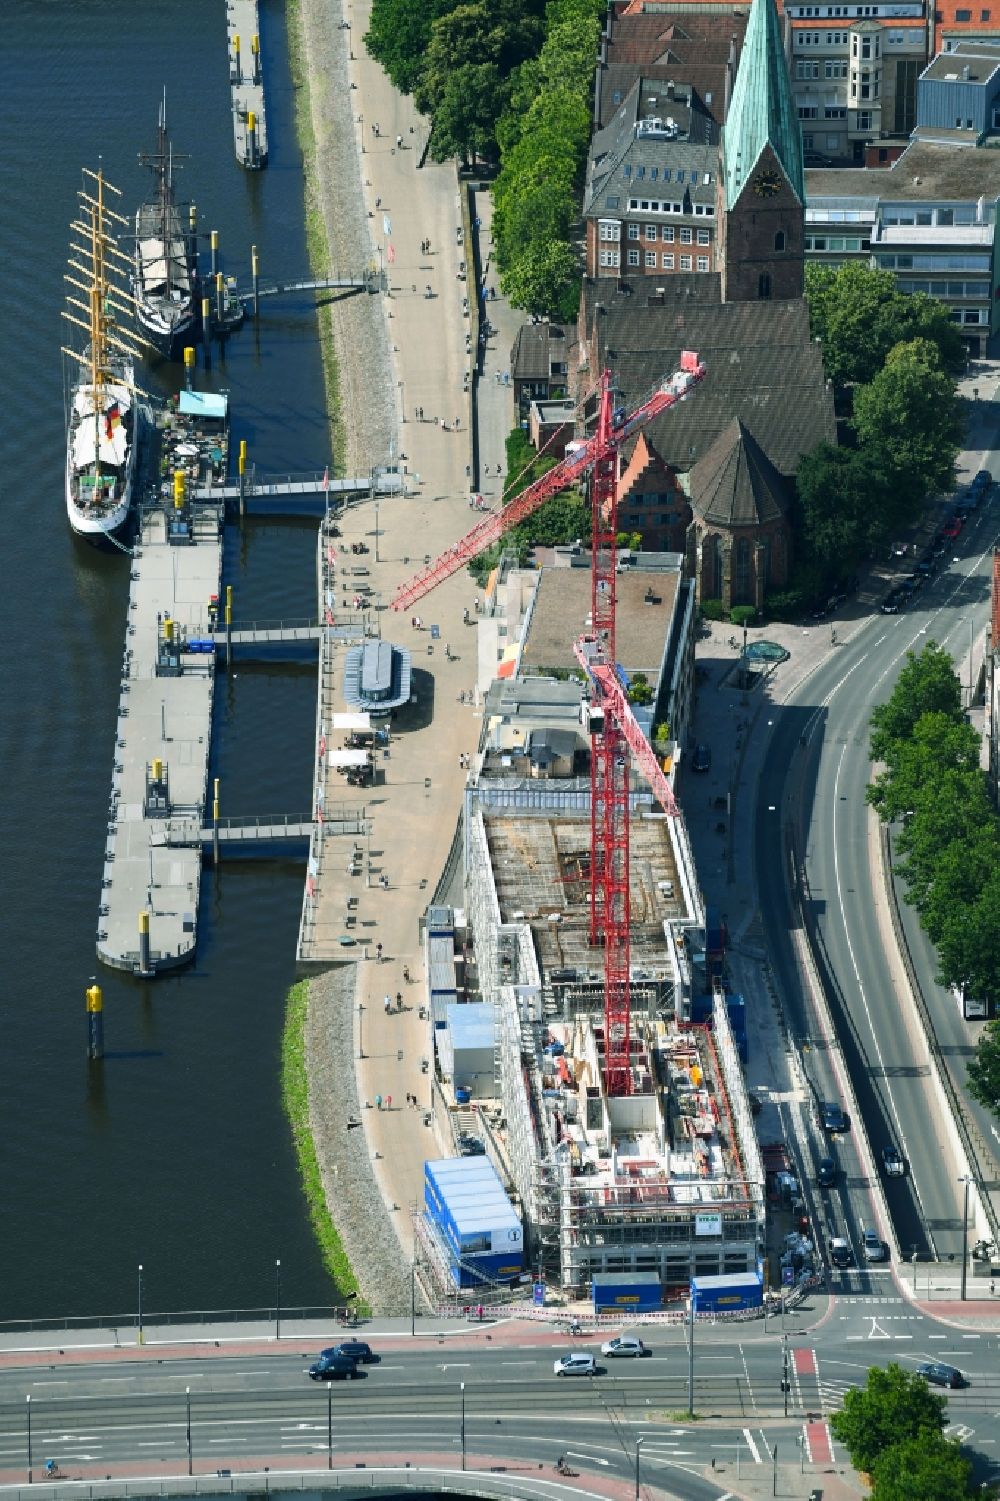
<point>249,1405</point>
<point>813,788</point>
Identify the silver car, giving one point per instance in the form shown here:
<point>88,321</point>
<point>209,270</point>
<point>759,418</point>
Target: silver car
<point>873,1244</point>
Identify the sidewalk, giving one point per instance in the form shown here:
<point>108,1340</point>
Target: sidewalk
<point>412,812</point>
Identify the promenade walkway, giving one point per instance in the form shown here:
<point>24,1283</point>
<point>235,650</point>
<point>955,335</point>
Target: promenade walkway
<point>413,810</point>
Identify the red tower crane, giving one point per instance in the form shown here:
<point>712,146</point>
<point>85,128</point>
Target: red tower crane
<point>614,730</point>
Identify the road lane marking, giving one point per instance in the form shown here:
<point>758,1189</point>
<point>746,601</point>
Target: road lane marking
<point>752,1446</point>
<point>50,1383</point>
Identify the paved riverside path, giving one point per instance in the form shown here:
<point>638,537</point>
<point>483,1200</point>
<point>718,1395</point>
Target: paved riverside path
<point>413,810</point>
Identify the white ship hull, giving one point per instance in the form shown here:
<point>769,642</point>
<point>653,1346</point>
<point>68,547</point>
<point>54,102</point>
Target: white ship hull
<point>100,458</point>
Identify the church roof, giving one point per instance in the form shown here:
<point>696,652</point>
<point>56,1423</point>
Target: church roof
<point>762,110</point>
<point>761,364</point>
<point>736,484</point>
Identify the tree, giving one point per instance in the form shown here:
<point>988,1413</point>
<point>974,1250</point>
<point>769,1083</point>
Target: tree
<point>466,114</point>
<point>858,313</point>
<point>892,1407</point>
<point>848,506</point>
<point>545,281</point>
<point>937,743</point>
<point>927,684</point>
<point>910,413</point>
<point>984,1069</point>
<point>475,36</point>
<point>928,1467</point>
<point>398,36</point>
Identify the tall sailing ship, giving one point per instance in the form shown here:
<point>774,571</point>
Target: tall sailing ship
<point>103,417</point>
<point>165,270</point>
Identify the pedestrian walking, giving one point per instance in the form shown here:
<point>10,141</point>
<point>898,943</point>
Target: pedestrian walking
<point>384,882</point>
<point>388,1005</point>
<point>378,952</point>
<point>399,1000</point>
<point>457,424</point>
<point>399,143</point>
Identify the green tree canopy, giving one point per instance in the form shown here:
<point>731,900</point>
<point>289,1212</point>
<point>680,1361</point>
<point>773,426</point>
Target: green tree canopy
<point>466,113</point>
<point>892,1407</point>
<point>398,35</point>
<point>927,684</point>
<point>928,1467</point>
<point>910,413</point>
<point>462,41</point>
<point>545,281</point>
<point>847,505</point>
<point>937,743</point>
<point>984,1068</point>
<point>859,313</point>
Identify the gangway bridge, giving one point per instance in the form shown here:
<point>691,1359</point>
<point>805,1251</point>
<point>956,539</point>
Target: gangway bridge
<point>371,280</point>
<point>287,833</point>
<point>302,494</point>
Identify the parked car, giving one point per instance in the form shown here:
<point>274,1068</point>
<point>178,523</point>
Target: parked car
<point>575,1365</point>
<point>625,1344</point>
<point>982,479</point>
<point>873,1245</point>
<point>471,1146</point>
<point>354,1349</point>
<point>826,1172</point>
<point>833,1117</point>
<point>938,1373</point>
<point>892,1161</point>
<point>334,1368</point>
<point>952,528</point>
<point>702,758</point>
<point>840,1252</point>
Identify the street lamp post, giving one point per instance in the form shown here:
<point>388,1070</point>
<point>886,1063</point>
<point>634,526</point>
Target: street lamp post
<point>187,1429</point>
<point>640,1440</point>
<point>462,1390</point>
<point>691,1357</point>
<point>277,1299</point>
<point>329,1425</point>
<point>361,1019</point>
<point>413,1293</point>
<point>28,1410</point>
<point>785,1383</point>
<point>965,1232</point>
<point>139,1334</point>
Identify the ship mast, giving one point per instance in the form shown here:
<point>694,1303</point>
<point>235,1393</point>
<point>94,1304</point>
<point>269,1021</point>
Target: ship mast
<point>101,261</point>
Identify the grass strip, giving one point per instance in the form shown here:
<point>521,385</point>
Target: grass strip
<point>317,246</point>
<point>295,1097</point>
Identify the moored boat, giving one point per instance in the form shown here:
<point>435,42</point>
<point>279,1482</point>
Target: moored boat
<point>103,416</point>
<point>165,269</point>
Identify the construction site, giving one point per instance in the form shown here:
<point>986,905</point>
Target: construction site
<point>666,1177</point>
<point>619,1128</point>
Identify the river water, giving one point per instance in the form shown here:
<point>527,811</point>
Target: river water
<point>175,1153</point>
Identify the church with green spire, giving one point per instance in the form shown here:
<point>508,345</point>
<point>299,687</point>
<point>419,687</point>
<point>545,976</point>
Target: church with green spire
<point>761,186</point>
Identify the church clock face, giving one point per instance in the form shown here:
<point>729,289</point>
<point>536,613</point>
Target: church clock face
<point>767,184</point>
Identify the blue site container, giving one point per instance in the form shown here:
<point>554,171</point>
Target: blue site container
<point>631,1292</point>
<point>473,1220</point>
<point>728,1293</point>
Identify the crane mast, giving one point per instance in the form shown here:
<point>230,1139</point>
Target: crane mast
<point>614,730</point>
